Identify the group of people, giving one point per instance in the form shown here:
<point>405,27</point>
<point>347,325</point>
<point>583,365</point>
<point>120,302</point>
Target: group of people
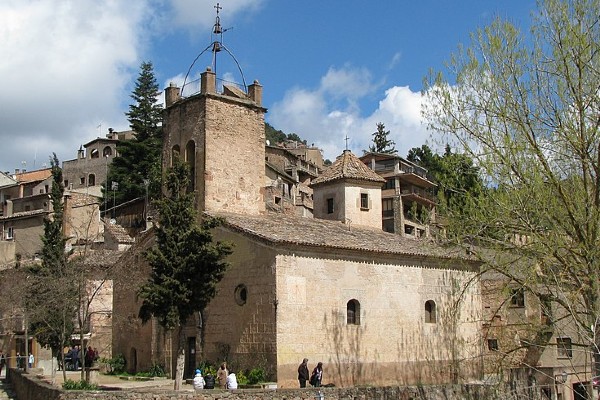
<point>20,361</point>
<point>73,357</point>
<point>225,379</point>
<point>314,379</point>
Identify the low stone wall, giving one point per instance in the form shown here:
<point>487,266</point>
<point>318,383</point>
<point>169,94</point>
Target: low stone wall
<point>30,387</point>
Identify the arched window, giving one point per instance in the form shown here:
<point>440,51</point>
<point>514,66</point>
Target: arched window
<point>430,312</point>
<point>190,158</point>
<point>353,312</point>
<point>94,153</point>
<point>107,151</point>
<point>92,180</point>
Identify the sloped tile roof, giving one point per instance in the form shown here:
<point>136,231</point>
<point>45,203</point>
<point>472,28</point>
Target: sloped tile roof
<point>347,166</point>
<point>34,176</point>
<point>119,233</point>
<point>312,232</point>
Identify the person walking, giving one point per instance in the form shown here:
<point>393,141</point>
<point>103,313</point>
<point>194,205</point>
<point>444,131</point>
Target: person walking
<point>317,375</point>
<point>303,373</point>
<point>2,361</point>
<point>222,376</point>
<point>31,361</point>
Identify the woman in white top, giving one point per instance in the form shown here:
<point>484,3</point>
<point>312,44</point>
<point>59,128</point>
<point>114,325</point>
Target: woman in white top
<point>231,381</point>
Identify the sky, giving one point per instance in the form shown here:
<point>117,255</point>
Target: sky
<point>330,70</point>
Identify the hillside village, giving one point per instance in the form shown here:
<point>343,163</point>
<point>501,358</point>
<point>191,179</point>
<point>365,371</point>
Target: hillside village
<point>330,263</point>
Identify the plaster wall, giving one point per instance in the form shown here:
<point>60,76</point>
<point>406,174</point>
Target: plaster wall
<point>393,343</point>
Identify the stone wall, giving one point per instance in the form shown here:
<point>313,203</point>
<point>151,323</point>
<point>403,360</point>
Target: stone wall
<point>28,387</point>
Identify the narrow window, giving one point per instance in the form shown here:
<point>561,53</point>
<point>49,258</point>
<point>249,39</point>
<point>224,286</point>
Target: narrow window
<point>330,206</point>
<point>364,201</point>
<point>430,316</point>
<point>492,344</point>
<point>517,297</point>
<point>241,294</point>
<point>563,347</point>
<point>353,312</point>
<point>9,233</point>
<point>92,180</point>
<point>82,180</point>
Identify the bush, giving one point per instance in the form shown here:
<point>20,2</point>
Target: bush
<point>78,385</point>
<point>156,370</point>
<point>207,368</point>
<point>116,365</point>
<point>241,378</point>
<point>256,375</point>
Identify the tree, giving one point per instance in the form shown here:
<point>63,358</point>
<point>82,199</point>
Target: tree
<point>186,264</point>
<point>51,301</point>
<point>454,173</point>
<point>525,107</point>
<point>139,159</point>
<point>381,143</point>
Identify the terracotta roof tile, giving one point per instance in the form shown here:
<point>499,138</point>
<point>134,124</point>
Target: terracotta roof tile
<point>313,232</point>
<point>34,176</point>
<point>347,166</point>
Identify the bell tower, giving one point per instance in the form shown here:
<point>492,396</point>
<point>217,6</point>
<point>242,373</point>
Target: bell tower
<point>218,128</point>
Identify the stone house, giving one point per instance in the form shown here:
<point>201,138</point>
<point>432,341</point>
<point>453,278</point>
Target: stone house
<point>374,307</point>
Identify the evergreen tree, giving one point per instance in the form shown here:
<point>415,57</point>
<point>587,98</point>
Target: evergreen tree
<point>139,159</point>
<point>186,264</point>
<point>51,301</point>
<point>381,143</point>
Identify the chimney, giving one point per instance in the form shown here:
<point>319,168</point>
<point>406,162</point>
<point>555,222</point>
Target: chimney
<point>171,94</point>
<point>80,153</point>
<point>208,82</point>
<point>255,92</point>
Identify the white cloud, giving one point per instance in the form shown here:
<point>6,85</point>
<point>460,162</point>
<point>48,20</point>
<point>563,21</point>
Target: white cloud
<point>316,115</point>
<point>65,67</point>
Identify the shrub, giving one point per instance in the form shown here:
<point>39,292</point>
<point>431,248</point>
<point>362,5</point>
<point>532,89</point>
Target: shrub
<point>241,378</point>
<point>207,368</point>
<point>116,365</point>
<point>156,370</point>
<point>79,385</point>
<point>256,375</point>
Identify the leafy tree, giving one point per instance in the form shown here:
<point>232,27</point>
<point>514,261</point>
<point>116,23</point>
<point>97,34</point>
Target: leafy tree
<point>457,178</point>
<point>51,302</point>
<point>273,135</point>
<point>139,159</point>
<point>525,108</point>
<point>381,143</point>
<point>186,264</point>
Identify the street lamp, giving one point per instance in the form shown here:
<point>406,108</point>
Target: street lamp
<point>146,184</point>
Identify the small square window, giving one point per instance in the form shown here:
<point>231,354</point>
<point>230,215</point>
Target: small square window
<point>82,180</point>
<point>330,206</point>
<point>492,344</point>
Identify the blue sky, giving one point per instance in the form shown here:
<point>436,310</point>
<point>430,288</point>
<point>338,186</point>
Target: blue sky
<point>328,68</point>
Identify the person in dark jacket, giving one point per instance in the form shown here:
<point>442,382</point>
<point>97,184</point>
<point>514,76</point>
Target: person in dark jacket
<point>303,373</point>
<point>317,375</point>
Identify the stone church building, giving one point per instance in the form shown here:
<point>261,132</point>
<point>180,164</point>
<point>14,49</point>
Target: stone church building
<point>376,308</point>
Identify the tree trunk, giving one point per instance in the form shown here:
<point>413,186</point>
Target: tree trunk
<point>180,359</point>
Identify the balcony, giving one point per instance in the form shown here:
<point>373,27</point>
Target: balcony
<point>418,195</point>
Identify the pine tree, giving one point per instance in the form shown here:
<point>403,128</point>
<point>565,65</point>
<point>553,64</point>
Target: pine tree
<point>186,264</point>
<point>381,143</point>
<point>139,159</point>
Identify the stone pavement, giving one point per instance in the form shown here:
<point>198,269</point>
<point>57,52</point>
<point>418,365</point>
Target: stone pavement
<point>115,382</point>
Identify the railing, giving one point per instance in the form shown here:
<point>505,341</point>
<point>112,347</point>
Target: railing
<point>419,192</point>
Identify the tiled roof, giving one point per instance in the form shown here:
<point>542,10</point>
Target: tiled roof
<point>23,214</point>
<point>34,176</point>
<point>312,232</point>
<point>347,166</point>
<point>119,233</point>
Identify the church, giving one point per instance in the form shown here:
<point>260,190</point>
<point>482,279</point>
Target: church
<point>375,307</point>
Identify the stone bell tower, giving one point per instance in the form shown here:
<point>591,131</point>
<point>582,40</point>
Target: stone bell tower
<point>221,135</point>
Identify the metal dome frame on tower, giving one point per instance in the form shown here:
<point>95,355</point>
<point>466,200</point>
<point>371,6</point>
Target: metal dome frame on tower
<point>216,46</point>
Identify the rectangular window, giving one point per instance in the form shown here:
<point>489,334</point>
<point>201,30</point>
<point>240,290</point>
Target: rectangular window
<point>364,201</point>
<point>517,297</point>
<point>82,180</point>
<point>563,347</point>
<point>329,206</point>
<point>10,233</point>
<point>389,184</point>
<point>492,344</point>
